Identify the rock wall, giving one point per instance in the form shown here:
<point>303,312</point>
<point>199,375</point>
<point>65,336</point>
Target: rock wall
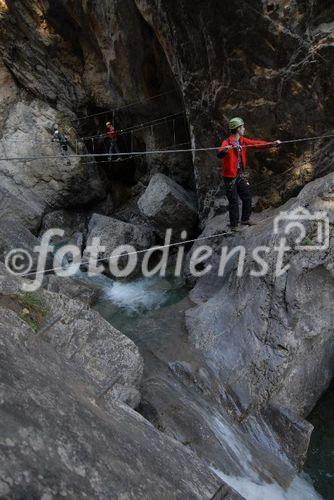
<point>87,56</point>
<point>61,435</point>
<point>271,66</point>
<point>268,338</point>
<point>270,62</point>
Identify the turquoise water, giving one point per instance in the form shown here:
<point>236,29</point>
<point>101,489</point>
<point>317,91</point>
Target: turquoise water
<point>320,460</point>
<point>123,303</point>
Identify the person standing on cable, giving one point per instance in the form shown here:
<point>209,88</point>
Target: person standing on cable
<point>233,154</point>
<point>61,139</point>
<point>112,134</point>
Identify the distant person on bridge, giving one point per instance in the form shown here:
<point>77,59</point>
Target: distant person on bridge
<point>63,143</point>
<point>233,154</point>
<point>112,134</point>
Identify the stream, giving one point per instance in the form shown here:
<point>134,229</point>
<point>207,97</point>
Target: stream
<point>133,307</point>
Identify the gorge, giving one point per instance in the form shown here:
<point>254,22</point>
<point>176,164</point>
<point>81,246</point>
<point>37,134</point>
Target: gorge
<point>176,386</point>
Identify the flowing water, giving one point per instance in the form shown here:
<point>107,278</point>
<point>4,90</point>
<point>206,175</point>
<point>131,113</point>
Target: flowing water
<point>125,304</point>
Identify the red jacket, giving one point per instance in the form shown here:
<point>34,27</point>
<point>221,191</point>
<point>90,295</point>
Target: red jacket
<point>111,132</point>
<point>230,159</point>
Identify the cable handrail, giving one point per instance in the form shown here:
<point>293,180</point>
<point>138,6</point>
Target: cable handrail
<point>153,152</point>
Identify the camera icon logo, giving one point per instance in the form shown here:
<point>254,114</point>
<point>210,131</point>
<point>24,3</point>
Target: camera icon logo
<point>312,229</point>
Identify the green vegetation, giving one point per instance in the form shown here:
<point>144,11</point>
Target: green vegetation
<point>33,309</point>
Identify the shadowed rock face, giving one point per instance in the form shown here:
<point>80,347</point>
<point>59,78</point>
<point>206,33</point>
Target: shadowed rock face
<point>63,56</point>
<point>271,67</point>
<point>82,56</point>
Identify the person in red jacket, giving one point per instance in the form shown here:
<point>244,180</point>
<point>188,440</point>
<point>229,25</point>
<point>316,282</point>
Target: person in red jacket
<point>233,154</point>
<point>112,134</point>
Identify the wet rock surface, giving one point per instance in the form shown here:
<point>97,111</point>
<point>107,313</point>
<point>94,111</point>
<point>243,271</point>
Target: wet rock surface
<point>184,398</point>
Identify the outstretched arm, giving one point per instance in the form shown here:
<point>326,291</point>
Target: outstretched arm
<point>259,144</point>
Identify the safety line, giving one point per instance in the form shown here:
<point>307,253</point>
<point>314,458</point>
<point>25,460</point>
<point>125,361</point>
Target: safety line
<point>158,247</point>
<point>153,152</point>
<point>124,107</point>
<point>139,126</point>
<point>130,154</point>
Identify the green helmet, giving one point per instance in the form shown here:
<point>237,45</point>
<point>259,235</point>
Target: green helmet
<point>235,123</point>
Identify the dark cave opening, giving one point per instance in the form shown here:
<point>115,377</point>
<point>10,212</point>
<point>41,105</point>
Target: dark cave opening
<point>138,130</point>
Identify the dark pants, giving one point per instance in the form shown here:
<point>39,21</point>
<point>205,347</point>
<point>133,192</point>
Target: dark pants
<point>235,188</point>
<point>64,152</point>
<point>113,149</point>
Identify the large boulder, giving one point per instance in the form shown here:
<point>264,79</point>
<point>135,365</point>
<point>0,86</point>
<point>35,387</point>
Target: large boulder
<point>74,288</point>
<point>168,205</point>
<point>61,437</point>
<point>73,223</point>
<point>90,342</point>
<point>113,233</point>
<point>211,236</point>
<point>17,240</point>
<point>18,210</point>
<point>82,337</point>
<point>270,339</point>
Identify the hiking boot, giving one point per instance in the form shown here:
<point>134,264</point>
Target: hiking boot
<point>248,223</point>
<point>235,229</point>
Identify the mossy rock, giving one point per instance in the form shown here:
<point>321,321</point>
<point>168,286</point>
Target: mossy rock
<point>29,306</point>
<point>34,310</point>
